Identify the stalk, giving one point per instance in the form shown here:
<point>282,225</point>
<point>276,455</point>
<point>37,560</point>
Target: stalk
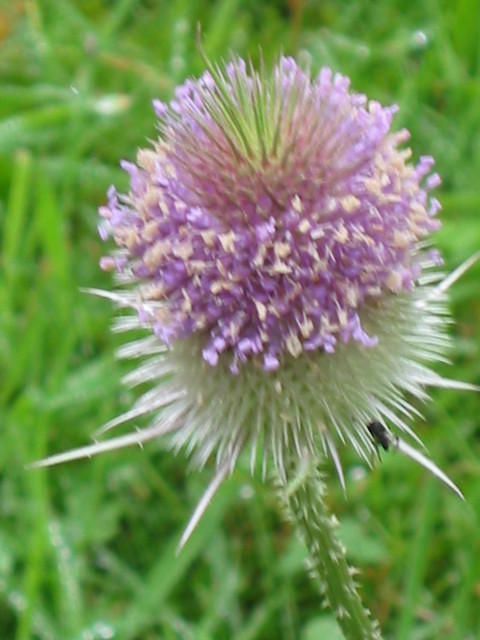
<point>304,499</point>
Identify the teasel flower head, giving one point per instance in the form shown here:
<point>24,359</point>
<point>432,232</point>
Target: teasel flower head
<point>274,244</point>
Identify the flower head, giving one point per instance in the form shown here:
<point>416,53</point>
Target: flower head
<point>273,240</point>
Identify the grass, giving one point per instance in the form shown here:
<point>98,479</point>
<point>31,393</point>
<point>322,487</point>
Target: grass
<point>87,550</point>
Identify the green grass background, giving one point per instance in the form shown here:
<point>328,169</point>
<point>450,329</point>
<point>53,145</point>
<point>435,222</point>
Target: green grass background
<point>87,550</point>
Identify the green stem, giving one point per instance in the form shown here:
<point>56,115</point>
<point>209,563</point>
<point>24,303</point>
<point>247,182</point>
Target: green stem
<point>304,498</point>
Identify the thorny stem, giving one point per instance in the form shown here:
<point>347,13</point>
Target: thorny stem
<point>304,498</point>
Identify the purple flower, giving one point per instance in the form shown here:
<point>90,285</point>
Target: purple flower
<point>273,242</point>
<point>270,211</point>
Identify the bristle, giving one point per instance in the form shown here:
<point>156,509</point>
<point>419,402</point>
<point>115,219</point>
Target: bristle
<point>455,275</point>
<point>425,462</point>
<point>337,462</point>
<point>135,438</point>
<point>141,348</point>
<point>154,400</point>
<point>220,475</point>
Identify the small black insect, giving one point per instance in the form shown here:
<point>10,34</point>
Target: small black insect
<point>379,434</point>
<point>382,437</point>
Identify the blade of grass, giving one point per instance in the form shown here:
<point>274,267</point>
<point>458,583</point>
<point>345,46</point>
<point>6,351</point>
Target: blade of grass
<point>15,220</point>
<point>416,564</point>
<point>52,237</point>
